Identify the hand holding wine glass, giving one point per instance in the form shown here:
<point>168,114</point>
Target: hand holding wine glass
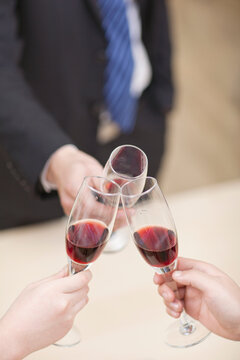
<point>155,236</point>
<point>66,170</point>
<point>205,291</point>
<point>31,323</point>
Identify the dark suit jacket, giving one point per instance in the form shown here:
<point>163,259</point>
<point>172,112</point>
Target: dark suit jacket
<point>52,61</point>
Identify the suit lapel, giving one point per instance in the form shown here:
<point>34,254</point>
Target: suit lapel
<point>94,9</point>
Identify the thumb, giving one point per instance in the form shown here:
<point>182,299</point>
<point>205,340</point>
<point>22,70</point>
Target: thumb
<point>60,274</point>
<point>195,279</point>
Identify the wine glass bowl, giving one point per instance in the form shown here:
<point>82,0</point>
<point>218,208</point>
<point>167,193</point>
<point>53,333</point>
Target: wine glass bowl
<point>151,224</point>
<point>154,233</point>
<point>126,162</point>
<point>91,221</point>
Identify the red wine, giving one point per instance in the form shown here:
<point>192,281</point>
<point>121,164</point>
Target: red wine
<point>129,162</point>
<point>157,245</point>
<point>85,240</point>
<point>110,187</point>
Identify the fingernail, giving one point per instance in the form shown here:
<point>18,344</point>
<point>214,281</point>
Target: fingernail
<point>175,314</point>
<point>177,274</point>
<point>175,306</point>
<point>165,295</point>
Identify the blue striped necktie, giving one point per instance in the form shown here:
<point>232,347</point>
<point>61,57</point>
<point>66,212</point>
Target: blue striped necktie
<point>118,74</point>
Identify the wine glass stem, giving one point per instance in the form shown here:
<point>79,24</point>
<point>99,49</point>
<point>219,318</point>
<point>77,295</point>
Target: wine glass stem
<point>75,268</point>
<point>186,327</point>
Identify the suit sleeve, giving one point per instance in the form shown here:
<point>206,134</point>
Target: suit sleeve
<point>28,133</point>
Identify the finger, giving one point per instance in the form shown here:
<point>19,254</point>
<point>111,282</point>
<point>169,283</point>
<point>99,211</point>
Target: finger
<point>60,274</point>
<point>196,279</point>
<point>158,279</point>
<point>70,189</point>
<point>80,304</point>
<point>173,313</point>
<point>188,264</point>
<point>175,306</point>
<point>77,296</point>
<point>163,278</point>
<point>167,293</point>
<point>171,293</point>
<point>97,204</point>
<point>180,293</point>
<point>66,201</point>
<point>120,220</point>
<point>75,282</point>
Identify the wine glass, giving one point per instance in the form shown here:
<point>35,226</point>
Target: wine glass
<point>88,229</point>
<point>154,233</point>
<point>126,162</point>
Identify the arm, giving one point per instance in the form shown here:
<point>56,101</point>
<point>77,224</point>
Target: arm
<point>42,314</point>
<point>207,294</point>
<point>28,133</point>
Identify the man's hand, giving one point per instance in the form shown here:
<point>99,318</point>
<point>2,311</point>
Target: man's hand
<point>67,168</point>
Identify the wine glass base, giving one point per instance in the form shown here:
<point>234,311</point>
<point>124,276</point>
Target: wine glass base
<point>72,338</point>
<point>176,338</point>
<point>118,240</point>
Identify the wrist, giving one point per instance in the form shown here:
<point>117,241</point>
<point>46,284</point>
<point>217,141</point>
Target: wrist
<point>10,346</point>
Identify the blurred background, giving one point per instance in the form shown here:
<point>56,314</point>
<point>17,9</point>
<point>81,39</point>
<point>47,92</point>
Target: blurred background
<point>203,145</point>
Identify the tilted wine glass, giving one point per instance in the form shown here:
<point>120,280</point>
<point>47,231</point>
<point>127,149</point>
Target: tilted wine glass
<point>89,227</point>
<point>154,233</point>
<point>126,162</point>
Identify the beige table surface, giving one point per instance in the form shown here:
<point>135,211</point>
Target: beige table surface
<point>125,318</point>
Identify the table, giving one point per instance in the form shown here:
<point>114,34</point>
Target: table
<point>125,317</point>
